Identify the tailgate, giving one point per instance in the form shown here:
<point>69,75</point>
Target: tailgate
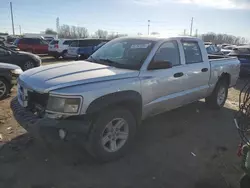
<point>53,45</point>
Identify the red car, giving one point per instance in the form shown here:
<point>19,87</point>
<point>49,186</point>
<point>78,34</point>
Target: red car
<point>33,45</point>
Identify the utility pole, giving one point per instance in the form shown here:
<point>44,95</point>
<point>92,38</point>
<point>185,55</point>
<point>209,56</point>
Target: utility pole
<point>184,32</point>
<point>191,28</point>
<point>148,26</point>
<point>20,29</point>
<point>13,29</point>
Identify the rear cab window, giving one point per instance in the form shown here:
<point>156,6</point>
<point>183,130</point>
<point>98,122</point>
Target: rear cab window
<point>192,52</point>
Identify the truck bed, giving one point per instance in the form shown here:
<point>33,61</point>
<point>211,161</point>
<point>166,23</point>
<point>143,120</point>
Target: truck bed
<point>224,64</point>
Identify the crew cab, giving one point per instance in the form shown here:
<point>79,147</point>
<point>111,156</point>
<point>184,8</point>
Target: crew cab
<point>102,100</point>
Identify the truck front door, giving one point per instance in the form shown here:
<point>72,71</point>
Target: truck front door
<point>161,88</point>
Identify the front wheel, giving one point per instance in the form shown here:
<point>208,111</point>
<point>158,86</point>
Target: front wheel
<point>245,181</point>
<point>4,88</point>
<point>111,134</point>
<point>219,96</point>
<point>28,65</point>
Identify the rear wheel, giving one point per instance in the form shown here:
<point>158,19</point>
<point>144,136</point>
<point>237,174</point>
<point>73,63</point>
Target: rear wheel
<point>64,54</point>
<point>111,134</point>
<point>4,88</point>
<point>219,96</point>
<point>28,65</point>
<point>245,181</point>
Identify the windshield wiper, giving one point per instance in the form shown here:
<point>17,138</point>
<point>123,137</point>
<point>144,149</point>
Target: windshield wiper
<point>108,61</point>
<point>92,59</point>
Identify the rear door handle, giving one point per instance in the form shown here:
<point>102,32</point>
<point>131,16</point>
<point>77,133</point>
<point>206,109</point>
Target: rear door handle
<point>204,70</point>
<point>178,74</point>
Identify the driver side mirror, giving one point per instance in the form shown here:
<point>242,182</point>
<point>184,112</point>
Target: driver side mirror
<point>155,65</point>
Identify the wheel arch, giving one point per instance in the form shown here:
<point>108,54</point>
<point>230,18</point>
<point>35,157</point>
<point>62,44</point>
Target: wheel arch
<point>130,100</point>
<point>225,76</point>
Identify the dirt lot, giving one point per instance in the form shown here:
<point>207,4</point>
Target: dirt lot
<point>189,147</point>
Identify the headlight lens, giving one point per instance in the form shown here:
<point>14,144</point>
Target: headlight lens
<point>16,71</point>
<point>63,105</point>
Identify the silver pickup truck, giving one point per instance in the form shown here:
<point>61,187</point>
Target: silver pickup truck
<point>102,100</point>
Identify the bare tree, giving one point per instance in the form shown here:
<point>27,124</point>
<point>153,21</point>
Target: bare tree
<point>223,38</point>
<point>64,31</point>
<point>73,32</point>
<point>82,32</point>
<point>101,34</point>
<point>155,33</point>
<point>50,31</point>
<point>67,31</point>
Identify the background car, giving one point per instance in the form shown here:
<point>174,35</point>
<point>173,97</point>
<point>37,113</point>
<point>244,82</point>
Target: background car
<point>58,47</point>
<point>83,47</point>
<point>213,49</point>
<point>33,45</point>
<point>243,54</point>
<point>24,60</point>
<point>228,49</point>
<point>8,78</point>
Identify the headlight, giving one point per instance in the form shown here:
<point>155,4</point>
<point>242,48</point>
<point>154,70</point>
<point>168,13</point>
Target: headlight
<point>16,71</point>
<point>64,105</point>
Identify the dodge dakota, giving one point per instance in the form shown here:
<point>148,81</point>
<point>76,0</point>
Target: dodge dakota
<point>102,100</point>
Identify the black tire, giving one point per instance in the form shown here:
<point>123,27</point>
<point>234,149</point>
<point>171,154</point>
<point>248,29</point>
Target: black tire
<point>64,54</point>
<point>212,101</point>
<point>30,66</point>
<point>245,181</point>
<point>7,87</point>
<point>93,144</point>
<point>56,56</point>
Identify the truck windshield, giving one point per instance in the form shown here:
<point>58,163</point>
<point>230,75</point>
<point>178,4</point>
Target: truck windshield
<point>125,53</point>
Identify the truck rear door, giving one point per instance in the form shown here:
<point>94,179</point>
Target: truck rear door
<point>197,71</point>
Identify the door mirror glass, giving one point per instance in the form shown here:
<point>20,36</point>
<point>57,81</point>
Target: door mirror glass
<point>154,65</point>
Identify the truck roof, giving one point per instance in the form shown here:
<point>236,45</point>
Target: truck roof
<point>162,38</point>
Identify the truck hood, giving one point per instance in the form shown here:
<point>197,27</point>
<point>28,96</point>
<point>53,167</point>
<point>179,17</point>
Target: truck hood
<point>47,78</point>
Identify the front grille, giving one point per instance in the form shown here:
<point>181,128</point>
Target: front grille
<point>37,101</point>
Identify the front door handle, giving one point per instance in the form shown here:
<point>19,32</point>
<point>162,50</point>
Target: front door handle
<point>204,70</point>
<point>178,74</point>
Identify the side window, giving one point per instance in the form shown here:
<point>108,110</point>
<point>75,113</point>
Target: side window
<point>30,41</point>
<point>74,43</point>
<point>83,43</point>
<point>43,42</point>
<point>168,51</point>
<point>67,42</point>
<point>192,52</point>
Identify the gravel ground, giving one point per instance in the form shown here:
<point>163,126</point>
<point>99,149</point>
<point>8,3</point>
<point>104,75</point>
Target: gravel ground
<point>188,147</point>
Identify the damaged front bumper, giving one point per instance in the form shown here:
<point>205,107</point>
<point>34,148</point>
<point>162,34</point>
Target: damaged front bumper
<point>74,127</point>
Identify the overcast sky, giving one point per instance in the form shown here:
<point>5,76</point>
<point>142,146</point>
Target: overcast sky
<point>168,17</point>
